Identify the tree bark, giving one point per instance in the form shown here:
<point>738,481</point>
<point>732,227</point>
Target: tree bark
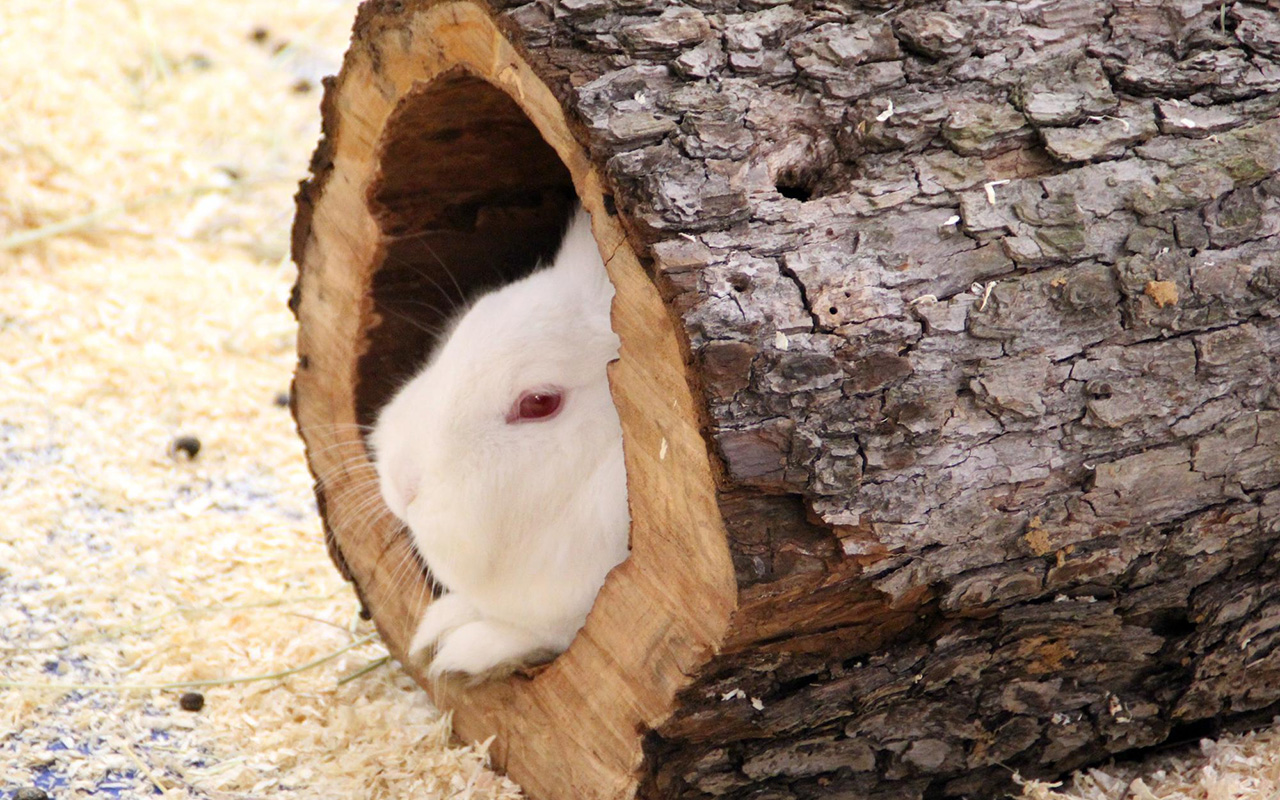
<point>948,377</point>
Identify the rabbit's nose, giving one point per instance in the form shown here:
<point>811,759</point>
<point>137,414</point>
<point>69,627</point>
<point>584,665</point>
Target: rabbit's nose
<point>398,494</point>
<point>408,493</point>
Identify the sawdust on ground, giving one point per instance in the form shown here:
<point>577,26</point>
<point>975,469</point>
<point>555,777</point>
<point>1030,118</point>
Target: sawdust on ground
<point>147,161</point>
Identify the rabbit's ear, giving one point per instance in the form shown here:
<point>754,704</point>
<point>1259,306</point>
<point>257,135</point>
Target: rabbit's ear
<point>579,257</point>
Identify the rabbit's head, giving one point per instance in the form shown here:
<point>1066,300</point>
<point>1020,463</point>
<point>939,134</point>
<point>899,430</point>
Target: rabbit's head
<point>507,425</point>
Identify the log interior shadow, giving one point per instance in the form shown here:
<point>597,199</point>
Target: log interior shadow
<point>469,196</point>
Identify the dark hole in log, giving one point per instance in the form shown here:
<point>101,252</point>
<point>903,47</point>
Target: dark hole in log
<point>794,189</point>
<point>469,196</point>
<point>809,175</point>
<point>1180,736</point>
<point>1173,625</point>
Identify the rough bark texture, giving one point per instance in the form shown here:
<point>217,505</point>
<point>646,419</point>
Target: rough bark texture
<point>992,288</point>
<point>982,300</point>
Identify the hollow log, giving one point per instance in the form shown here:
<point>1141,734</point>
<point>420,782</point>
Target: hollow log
<point>947,379</point>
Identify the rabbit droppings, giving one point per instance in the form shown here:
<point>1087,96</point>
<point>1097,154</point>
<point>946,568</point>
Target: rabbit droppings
<point>503,456</point>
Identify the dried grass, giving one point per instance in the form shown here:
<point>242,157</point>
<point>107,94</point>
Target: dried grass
<point>148,156</point>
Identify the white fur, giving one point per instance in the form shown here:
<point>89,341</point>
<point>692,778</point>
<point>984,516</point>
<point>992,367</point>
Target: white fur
<point>519,522</point>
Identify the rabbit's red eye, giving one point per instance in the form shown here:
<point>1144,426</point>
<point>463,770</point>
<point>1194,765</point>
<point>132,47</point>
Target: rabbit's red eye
<point>536,405</point>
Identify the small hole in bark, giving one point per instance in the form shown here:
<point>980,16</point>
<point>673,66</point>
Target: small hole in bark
<point>740,283</point>
<point>795,191</point>
<point>1174,625</point>
<point>833,311</point>
<point>804,166</point>
<point>1098,390</point>
<point>799,182</point>
<point>1195,251</point>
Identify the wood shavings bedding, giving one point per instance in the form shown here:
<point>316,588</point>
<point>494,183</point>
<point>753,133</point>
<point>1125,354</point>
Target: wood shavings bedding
<point>121,564</point>
<point>153,148</point>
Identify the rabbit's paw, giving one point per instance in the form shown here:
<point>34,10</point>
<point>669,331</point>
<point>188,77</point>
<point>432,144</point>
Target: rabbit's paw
<point>486,646</point>
<point>443,615</point>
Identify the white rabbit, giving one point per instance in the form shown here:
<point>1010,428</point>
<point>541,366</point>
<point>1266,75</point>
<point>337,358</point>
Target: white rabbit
<point>503,456</point>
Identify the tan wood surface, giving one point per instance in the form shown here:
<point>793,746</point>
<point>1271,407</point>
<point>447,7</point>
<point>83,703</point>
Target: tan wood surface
<point>572,730</point>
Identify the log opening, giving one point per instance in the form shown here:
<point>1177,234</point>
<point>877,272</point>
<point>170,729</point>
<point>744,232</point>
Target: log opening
<point>391,235</point>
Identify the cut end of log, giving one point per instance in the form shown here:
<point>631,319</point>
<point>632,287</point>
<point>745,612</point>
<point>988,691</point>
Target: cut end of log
<point>447,168</point>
